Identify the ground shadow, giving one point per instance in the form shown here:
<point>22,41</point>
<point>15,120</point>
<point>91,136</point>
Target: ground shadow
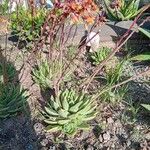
<point>16,132</point>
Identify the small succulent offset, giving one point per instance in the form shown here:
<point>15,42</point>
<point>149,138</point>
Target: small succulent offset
<point>119,10</point>
<point>43,74</point>
<point>69,112</point>
<point>12,100</point>
<point>100,55</point>
<point>46,72</point>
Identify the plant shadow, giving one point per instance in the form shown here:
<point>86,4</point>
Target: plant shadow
<point>16,131</point>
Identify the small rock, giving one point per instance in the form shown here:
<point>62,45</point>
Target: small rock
<point>85,135</point>
<point>106,136</point>
<point>147,136</point>
<point>90,147</point>
<point>38,127</point>
<point>100,138</point>
<point>110,120</point>
<point>128,143</point>
<point>29,147</point>
<point>44,142</point>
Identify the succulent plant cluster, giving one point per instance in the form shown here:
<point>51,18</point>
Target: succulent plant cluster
<point>122,9</point>
<point>12,100</point>
<point>12,97</point>
<point>46,72</point>
<point>98,56</point>
<point>43,74</point>
<point>69,112</point>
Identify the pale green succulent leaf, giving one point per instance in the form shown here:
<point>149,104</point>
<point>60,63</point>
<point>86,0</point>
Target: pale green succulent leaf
<point>65,104</point>
<point>84,126</point>
<point>53,128</point>
<point>50,111</point>
<point>75,108</point>
<point>50,121</point>
<point>61,122</point>
<point>63,113</point>
<point>146,106</point>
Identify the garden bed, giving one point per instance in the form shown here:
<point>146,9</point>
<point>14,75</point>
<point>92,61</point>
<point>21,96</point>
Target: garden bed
<point>57,94</point>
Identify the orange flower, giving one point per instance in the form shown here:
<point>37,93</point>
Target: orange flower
<point>89,19</point>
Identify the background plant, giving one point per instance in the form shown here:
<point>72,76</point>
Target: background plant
<point>69,112</point>
<point>4,7</point>
<point>122,9</point>
<point>25,25</point>
<point>113,76</point>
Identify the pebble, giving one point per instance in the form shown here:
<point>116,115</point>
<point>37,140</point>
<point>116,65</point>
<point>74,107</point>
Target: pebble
<point>85,135</point>
<point>90,148</point>
<point>110,120</point>
<point>44,142</point>
<point>106,136</point>
<point>38,127</point>
<point>100,138</point>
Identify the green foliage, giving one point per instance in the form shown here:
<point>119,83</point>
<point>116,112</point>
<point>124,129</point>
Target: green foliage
<point>142,57</point>
<point>8,71</point>
<point>145,56</point>
<point>146,106</point>
<point>46,72</point>
<point>25,25</point>
<point>69,112</point>
<point>4,7</point>
<point>114,95</point>
<point>145,31</point>
<point>12,100</point>
<point>123,10</point>
<point>100,55</point>
<point>113,76</point>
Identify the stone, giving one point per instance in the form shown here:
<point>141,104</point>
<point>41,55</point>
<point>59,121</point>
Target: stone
<point>93,41</point>
<point>106,136</point>
<point>44,142</point>
<point>110,120</point>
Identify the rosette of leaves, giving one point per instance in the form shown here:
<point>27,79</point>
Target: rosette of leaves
<point>12,100</point>
<point>100,55</point>
<point>120,10</point>
<point>69,112</point>
<point>26,25</point>
<point>46,72</point>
